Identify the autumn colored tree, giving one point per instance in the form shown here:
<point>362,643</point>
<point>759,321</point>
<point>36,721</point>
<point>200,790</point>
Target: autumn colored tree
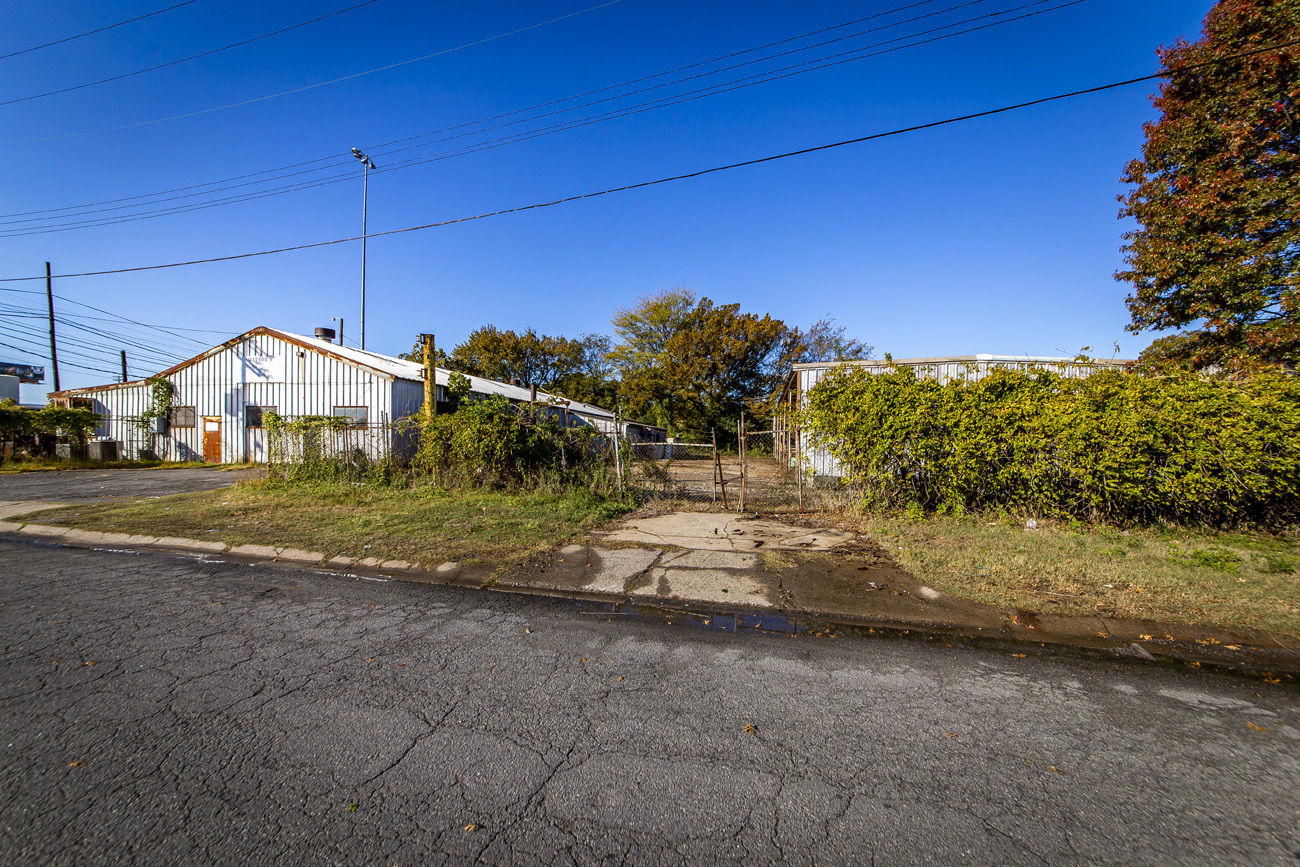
<point>691,365</point>
<point>575,368</point>
<point>1216,195</point>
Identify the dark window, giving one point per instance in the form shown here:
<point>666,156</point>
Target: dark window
<point>356,415</point>
<point>181,416</point>
<point>255,416</point>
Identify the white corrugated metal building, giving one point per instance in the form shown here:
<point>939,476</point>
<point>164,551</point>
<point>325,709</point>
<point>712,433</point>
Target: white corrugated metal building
<point>220,396</point>
<point>817,458</point>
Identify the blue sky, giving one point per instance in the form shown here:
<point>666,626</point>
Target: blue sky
<point>995,235</point>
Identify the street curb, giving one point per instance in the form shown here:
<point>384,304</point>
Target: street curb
<point>1279,660</point>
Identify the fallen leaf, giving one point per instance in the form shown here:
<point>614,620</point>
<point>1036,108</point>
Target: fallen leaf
<point>57,661</point>
<point>1146,637</point>
<point>1232,647</point>
<point>1271,678</point>
<point>471,827</point>
<point>584,659</point>
<point>1019,655</point>
<point>950,734</point>
<point>1193,665</point>
<point>74,764</point>
<point>1055,768</point>
<point>620,679</point>
<point>370,659</point>
<point>1256,728</point>
<point>750,729</point>
<point>352,808</point>
<point>401,665</point>
<point>529,631</point>
<point>89,662</point>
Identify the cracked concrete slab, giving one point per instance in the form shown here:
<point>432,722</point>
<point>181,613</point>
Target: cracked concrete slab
<point>295,555</point>
<point>586,569</point>
<point>724,532</point>
<point>709,560</point>
<point>710,586</point>
<point>260,551</point>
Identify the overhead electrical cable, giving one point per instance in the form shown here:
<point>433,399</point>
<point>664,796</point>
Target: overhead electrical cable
<point>151,349</point>
<point>96,30</point>
<point>860,53</point>
<point>334,158</point>
<point>318,84</point>
<point>1163,73</point>
<point>380,149</point>
<point>182,59</point>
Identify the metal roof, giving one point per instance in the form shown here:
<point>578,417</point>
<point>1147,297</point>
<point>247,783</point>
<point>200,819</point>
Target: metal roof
<point>945,359</point>
<point>386,365</point>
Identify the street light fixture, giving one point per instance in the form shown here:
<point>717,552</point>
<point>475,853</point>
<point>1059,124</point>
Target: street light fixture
<point>365,186</point>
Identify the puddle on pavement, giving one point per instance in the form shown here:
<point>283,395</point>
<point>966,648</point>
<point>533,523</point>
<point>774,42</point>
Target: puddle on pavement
<point>715,621</point>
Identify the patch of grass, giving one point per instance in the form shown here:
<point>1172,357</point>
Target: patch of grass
<point>1179,576</point>
<point>424,524</point>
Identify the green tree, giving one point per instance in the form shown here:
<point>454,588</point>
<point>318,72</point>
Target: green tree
<point>690,365</point>
<point>575,368</point>
<point>1217,251</point>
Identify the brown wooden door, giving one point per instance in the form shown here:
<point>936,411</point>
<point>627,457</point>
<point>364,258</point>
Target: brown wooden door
<point>212,439</point>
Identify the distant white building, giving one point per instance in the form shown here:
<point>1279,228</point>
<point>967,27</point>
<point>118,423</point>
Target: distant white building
<point>220,398</point>
<point>816,457</point>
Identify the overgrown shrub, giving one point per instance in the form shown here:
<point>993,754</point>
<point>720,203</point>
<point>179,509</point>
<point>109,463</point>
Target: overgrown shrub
<point>323,448</point>
<point>37,430</point>
<point>1116,446</point>
<point>490,442</point>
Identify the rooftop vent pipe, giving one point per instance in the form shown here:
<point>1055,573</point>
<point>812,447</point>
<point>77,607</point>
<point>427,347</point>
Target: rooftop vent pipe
<point>326,334</point>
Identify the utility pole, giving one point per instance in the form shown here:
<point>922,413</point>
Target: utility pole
<point>124,365</point>
<point>367,164</point>
<point>54,350</point>
<point>430,377</point>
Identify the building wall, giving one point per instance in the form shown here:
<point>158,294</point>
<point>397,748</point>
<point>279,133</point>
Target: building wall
<point>260,370</point>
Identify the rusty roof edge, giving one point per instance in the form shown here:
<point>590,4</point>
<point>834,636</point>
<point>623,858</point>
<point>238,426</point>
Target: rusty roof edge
<point>958,359</point>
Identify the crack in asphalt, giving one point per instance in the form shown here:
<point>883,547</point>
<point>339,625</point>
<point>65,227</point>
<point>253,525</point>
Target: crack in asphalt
<point>242,731</point>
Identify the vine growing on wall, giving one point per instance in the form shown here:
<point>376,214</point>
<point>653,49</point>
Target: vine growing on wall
<point>161,392</point>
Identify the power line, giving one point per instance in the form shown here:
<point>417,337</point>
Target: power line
<point>182,59</point>
<point>151,353</point>
<point>767,76</point>
<point>378,148</point>
<point>1163,73</point>
<point>96,30</point>
<point>313,86</point>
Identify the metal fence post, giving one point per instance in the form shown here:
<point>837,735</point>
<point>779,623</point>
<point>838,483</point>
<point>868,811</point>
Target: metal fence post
<point>798,461</point>
<point>743,473</point>
<point>618,463</point>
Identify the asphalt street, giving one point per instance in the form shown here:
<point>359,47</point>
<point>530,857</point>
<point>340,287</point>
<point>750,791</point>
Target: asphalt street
<point>162,709</point>
<point>87,486</point>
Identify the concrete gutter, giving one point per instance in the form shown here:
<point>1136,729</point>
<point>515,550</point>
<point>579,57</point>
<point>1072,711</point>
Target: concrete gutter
<point>742,571</point>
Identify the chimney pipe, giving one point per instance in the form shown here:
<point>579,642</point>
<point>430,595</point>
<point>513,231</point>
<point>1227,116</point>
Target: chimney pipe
<point>326,334</point>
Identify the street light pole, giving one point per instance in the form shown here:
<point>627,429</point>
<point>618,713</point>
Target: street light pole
<point>367,164</point>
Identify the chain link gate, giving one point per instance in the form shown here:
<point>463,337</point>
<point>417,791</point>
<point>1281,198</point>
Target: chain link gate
<point>759,473</point>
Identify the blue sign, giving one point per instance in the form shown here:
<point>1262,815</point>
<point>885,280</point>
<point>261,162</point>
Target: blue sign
<point>24,372</point>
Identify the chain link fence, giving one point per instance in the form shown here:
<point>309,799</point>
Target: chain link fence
<point>758,474</point>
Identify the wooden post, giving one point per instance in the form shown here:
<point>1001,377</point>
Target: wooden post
<point>430,377</point>
<point>124,365</point>
<point>54,350</point>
